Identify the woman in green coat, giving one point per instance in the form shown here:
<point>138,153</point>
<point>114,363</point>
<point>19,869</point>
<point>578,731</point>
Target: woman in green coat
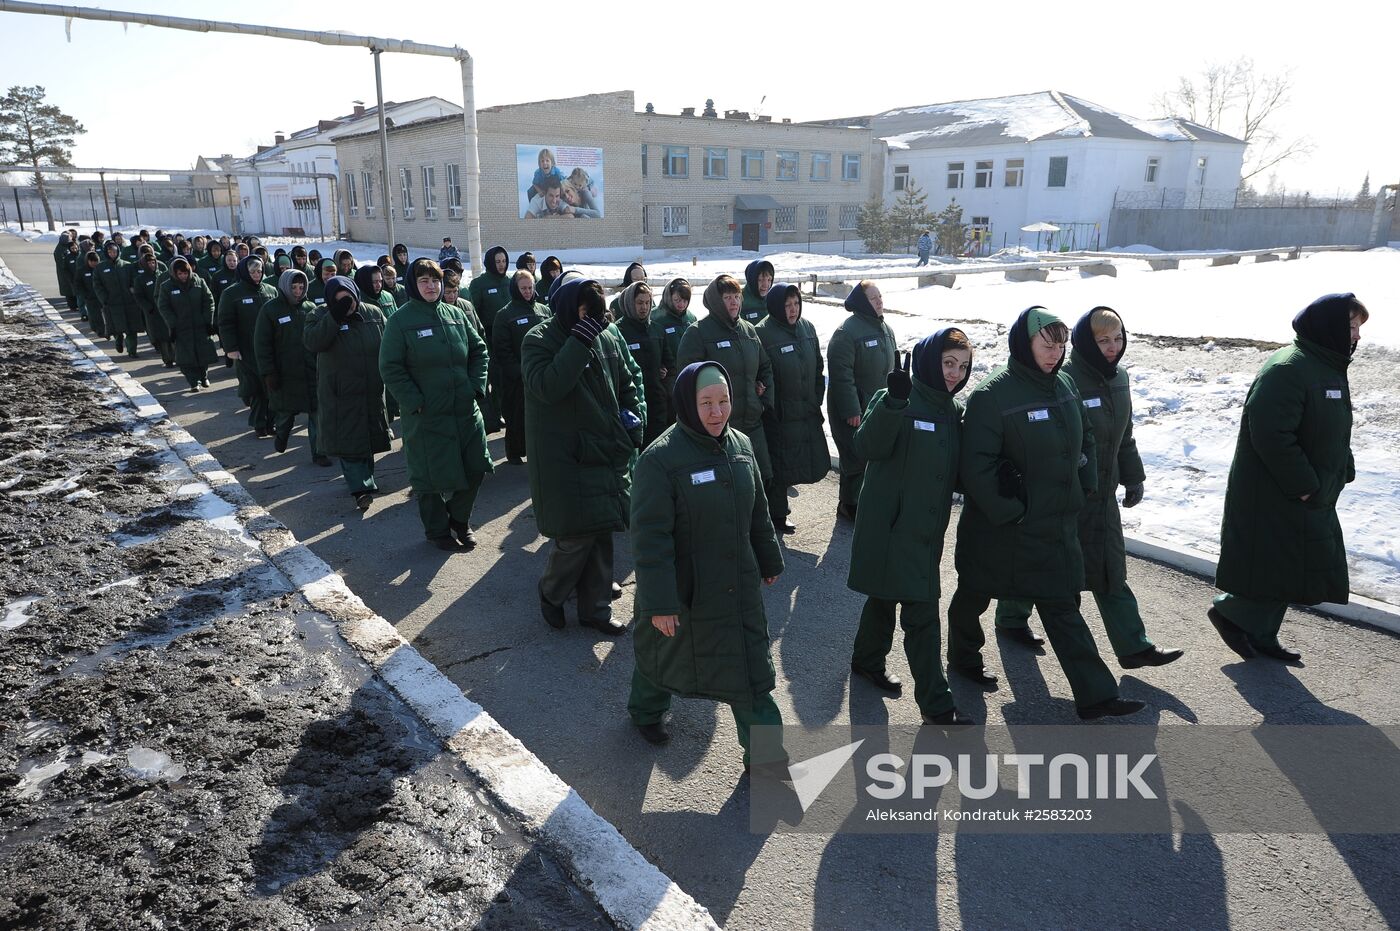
<point>796,440</point>
<point>1280,540</point>
<point>1099,342</point>
<point>434,363</point>
<point>513,321</point>
<point>286,366</point>
<point>858,357</point>
<point>670,322</point>
<point>1026,464</point>
<point>370,281</point>
<point>909,438</point>
<point>648,349</point>
<point>225,275</point>
<point>316,289</point>
<point>346,335</point>
<point>187,305</point>
<point>758,280</point>
<point>240,305</point>
<point>85,279</point>
<point>145,288</point>
<point>119,307</point>
<point>488,293</point>
<point>63,267</point>
<point>704,549</point>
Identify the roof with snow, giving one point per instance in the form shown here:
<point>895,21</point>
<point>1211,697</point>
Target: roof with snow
<point>1025,118</point>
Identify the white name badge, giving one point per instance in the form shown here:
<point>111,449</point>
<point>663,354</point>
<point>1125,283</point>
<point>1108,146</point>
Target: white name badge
<point>247,300</point>
<point>422,334</point>
<point>284,319</point>
<point>872,343</point>
<point>751,314</point>
<point>491,290</point>
<point>1037,415</point>
<point>925,426</point>
<point>670,329</point>
<point>174,291</point>
<point>702,478</point>
<point>320,301</point>
<point>634,345</point>
<point>1334,393</point>
<point>788,348</point>
<point>1093,402</point>
<point>723,344</point>
<point>106,271</point>
<point>344,327</point>
<point>522,321</point>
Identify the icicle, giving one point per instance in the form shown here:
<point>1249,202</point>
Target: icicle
<point>68,28</point>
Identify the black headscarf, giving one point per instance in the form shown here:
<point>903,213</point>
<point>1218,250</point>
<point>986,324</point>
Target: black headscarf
<point>563,299</point>
<point>1020,337</point>
<point>858,302</point>
<point>927,359</point>
<point>684,391</point>
<point>777,304</point>
<point>627,273</point>
<point>753,270</point>
<point>411,285</point>
<point>364,280</point>
<point>1087,348</point>
<point>490,254</point>
<point>242,272</point>
<point>340,285</point>
<point>1327,322</point>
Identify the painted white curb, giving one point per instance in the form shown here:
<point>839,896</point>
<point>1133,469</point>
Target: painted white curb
<point>632,891</point>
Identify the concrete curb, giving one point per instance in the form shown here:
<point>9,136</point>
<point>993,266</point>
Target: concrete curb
<point>631,890</point>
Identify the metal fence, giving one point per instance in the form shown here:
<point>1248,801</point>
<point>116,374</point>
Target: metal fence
<point>1216,199</point>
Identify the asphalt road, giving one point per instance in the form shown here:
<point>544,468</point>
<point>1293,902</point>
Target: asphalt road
<point>685,806</point>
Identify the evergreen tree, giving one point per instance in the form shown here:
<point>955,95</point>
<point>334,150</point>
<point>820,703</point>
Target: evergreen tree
<point>910,216</point>
<point>873,225</point>
<point>1363,197</point>
<point>951,232</point>
<point>38,134</point>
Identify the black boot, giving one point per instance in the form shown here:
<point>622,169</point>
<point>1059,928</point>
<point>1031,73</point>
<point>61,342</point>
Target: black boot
<point>654,733</point>
<point>1111,708</point>
<point>1152,656</point>
<point>881,680</point>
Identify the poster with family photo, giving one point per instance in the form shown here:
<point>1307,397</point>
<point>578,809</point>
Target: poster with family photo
<point>559,182</point>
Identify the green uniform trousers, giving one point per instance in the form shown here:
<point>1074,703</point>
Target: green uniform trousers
<point>583,565</point>
<point>259,408</point>
<point>438,511</point>
<point>875,637</point>
<point>1070,638</point>
<point>1260,619</point>
<point>648,703</point>
<point>359,474</point>
<point>1119,610</point>
<point>283,423</point>
<point>195,374</point>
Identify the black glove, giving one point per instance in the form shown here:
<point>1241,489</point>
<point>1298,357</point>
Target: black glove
<point>343,306</point>
<point>587,330</point>
<point>898,383</point>
<point>1132,495</point>
<point>273,382</point>
<point>1010,482</point>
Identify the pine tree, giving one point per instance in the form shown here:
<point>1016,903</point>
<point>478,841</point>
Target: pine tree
<point>910,216</point>
<point>38,134</point>
<point>873,225</point>
<point>951,233</point>
<point>1363,197</point>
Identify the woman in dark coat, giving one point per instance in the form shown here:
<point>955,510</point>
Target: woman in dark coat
<point>1099,342</point>
<point>704,548</point>
<point>187,305</point>
<point>1280,540</point>
<point>796,440</point>
<point>287,367</point>
<point>858,357</point>
<point>649,351</point>
<point>513,321</point>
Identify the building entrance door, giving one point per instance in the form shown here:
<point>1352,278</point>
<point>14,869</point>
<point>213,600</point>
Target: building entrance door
<point>750,237</point>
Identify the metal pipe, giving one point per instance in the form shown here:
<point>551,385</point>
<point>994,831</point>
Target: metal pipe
<point>228,189</point>
<point>383,157</point>
<point>106,203</point>
<point>473,167</point>
<point>335,212</point>
<point>53,169</point>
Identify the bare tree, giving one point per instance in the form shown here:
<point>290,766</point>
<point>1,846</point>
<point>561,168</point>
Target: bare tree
<point>1236,98</point>
<point>35,133</point>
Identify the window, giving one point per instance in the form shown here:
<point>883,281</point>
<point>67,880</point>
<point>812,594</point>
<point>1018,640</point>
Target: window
<point>850,168</point>
<point>1151,176</point>
<point>821,166</point>
<point>675,221</point>
<point>981,221</point>
<point>406,192</point>
<point>983,178</point>
<point>849,213</point>
<point>677,163</point>
<point>352,202</point>
<point>429,194</point>
<point>1059,171</point>
<point>955,174</point>
<point>454,192</point>
<point>901,177</point>
<point>1015,172</point>
<point>1201,170</point>
<point>787,165</point>
<point>753,164</point>
<point>645,231</point>
<point>644,160</point>
<point>785,220</point>
<point>816,219</point>
<point>716,163</point>
<point>369,193</point>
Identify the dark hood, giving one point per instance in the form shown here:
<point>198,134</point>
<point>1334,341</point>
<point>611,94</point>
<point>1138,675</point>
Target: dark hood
<point>324,263</point>
<point>858,302</point>
<point>1019,338</point>
<point>298,252</point>
<point>523,262</point>
<point>411,284</point>
<point>927,361</point>
<point>178,261</point>
<point>394,252</point>
<point>753,270</point>
<point>343,253</point>
<point>341,284</point>
<point>1327,322</point>
<point>515,294</point>
<point>285,281</point>
<point>242,272</point>
<point>490,253</point>
<point>627,273</point>
<point>777,304</point>
<point>1087,348</point>
<point>683,396</point>
<point>111,246</point>
<point>559,282</point>
<point>563,301</point>
<point>714,303</point>
<point>364,280</point>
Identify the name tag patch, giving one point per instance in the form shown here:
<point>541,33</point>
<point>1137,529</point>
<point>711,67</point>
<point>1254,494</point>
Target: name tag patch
<point>702,478</point>
<point>926,426</point>
<point>522,321</point>
<point>1093,402</point>
<point>1334,393</point>
<point>723,344</point>
<point>872,343</point>
<point>1037,415</point>
<point>788,348</point>
<point>174,291</point>
<point>344,327</point>
<point>247,300</point>
<point>634,345</point>
<point>491,290</point>
<point>424,334</point>
<point>284,319</point>
<point>670,329</point>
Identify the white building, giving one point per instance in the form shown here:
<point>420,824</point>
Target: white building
<point>288,205</point>
<point>1051,158</point>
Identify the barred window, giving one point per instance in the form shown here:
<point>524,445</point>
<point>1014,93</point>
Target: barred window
<point>785,219</point>
<point>816,219</point>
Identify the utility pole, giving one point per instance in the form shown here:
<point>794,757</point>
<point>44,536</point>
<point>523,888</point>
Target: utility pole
<point>383,156</point>
<point>107,205</point>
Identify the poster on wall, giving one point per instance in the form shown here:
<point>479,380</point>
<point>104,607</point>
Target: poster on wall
<point>560,182</point>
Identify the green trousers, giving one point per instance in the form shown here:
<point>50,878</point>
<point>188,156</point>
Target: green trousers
<point>1260,619</point>
<point>582,566</point>
<point>875,637</point>
<point>438,511</point>
<point>1069,636</point>
<point>194,374</point>
<point>852,467</point>
<point>285,421</point>
<point>648,704</point>
<point>1119,610</point>
<point>359,474</point>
